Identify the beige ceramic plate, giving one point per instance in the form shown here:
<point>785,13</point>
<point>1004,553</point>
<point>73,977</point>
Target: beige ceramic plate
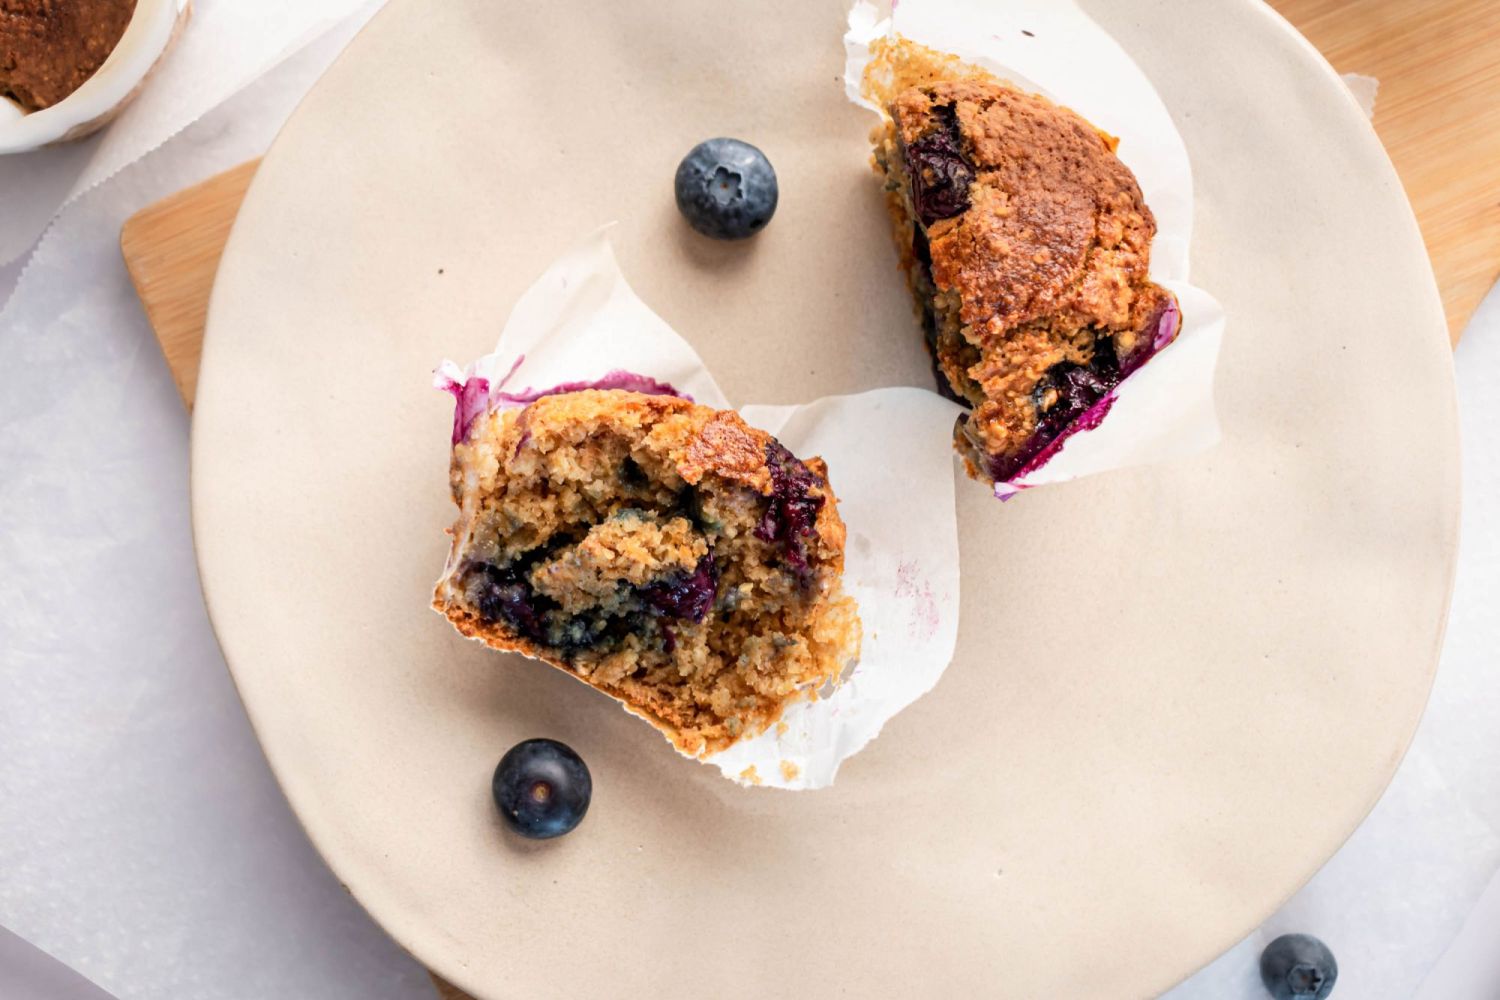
<point>1177,690</point>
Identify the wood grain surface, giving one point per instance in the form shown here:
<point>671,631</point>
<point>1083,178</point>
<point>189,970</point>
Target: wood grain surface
<point>172,251</point>
<point>1438,113</point>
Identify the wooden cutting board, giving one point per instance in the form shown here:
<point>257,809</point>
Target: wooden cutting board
<point>1438,113</point>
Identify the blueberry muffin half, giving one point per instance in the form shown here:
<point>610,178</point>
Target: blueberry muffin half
<point>1027,244</point>
<point>664,552</point>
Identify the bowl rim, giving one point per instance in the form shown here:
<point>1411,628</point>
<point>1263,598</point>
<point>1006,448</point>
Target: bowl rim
<point>146,37</point>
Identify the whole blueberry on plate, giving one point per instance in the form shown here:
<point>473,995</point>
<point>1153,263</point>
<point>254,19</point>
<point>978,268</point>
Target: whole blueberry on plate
<point>1298,967</point>
<point>542,788</point>
<point>726,189</point>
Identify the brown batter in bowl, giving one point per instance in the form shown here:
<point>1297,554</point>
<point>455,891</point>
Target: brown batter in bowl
<point>49,48</point>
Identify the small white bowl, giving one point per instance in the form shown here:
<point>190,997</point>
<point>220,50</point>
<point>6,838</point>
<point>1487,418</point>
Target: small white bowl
<point>150,32</point>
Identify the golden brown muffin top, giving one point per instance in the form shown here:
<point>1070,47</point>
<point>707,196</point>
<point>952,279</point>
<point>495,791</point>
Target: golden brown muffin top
<point>1054,223</point>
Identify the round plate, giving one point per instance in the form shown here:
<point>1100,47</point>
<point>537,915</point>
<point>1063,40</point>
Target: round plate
<point>1176,691</point>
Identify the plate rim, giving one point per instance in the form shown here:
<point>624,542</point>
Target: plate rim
<point>405,928</point>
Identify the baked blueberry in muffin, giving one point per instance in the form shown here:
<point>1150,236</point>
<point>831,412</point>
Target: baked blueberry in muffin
<point>664,552</point>
<point>1027,245</point>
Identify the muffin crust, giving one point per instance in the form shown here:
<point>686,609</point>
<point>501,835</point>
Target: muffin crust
<point>1027,244</point>
<point>665,553</point>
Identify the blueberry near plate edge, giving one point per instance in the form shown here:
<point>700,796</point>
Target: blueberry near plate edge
<point>1298,967</point>
<point>542,789</point>
<point>726,188</point>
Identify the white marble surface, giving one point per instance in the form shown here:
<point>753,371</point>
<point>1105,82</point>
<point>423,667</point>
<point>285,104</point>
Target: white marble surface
<point>146,845</point>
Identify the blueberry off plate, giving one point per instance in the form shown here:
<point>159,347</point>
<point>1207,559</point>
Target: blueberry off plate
<point>1156,668</point>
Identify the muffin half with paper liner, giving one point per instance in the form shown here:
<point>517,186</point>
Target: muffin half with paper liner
<point>1026,242</point>
<point>689,560</point>
<point>666,553</point>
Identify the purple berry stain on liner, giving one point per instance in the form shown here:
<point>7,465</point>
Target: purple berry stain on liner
<point>1167,327</point>
<point>617,378</point>
<point>473,397</point>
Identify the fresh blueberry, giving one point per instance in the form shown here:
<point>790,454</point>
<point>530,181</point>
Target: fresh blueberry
<point>726,189</point>
<point>542,788</point>
<point>1298,967</point>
